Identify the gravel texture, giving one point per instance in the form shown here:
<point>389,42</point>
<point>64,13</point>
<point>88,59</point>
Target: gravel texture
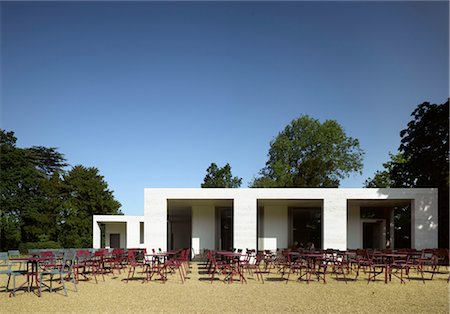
<point>198,295</point>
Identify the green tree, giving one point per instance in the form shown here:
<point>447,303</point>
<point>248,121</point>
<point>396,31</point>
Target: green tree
<point>23,172</point>
<point>10,159</point>
<point>217,177</point>
<point>308,153</point>
<point>423,159</point>
<point>394,175</point>
<point>41,205</point>
<point>425,145</point>
<point>87,194</point>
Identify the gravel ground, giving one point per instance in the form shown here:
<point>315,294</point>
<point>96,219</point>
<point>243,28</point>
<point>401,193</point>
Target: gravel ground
<point>198,295</point>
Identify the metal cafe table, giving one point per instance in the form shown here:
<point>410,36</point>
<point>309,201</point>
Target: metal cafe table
<point>387,262</point>
<point>155,263</point>
<point>234,267</point>
<point>32,271</point>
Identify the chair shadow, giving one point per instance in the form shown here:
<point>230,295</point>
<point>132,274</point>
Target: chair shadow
<point>344,279</point>
<point>204,279</point>
<point>275,279</point>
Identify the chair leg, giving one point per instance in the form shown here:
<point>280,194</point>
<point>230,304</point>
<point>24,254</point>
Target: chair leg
<point>74,283</point>
<point>40,285</point>
<point>7,285</point>
<point>14,286</point>
<point>63,284</point>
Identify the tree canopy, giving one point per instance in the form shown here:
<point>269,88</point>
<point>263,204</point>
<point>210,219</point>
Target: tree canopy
<point>220,177</point>
<point>423,159</point>
<point>308,153</point>
<point>40,201</point>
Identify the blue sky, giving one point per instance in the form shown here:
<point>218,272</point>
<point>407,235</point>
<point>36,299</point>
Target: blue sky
<point>152,93</point>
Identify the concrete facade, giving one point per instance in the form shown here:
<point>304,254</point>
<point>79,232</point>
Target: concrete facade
<point>341,223</point>
<point>128,227</point>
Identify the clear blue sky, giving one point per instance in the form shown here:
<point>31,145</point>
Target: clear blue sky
<point>152,93</point>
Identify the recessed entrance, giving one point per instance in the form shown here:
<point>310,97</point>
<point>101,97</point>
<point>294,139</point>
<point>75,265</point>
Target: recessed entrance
<point>373,234</point>
<point>225,216</point>
<point>179,228</point>
<point>114,240</point>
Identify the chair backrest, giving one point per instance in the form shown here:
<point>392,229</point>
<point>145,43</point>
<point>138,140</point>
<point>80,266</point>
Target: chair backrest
<point>441,257</point>
<point>69,256</point>
<point>427,254</point>
<point>4,261</point>
<point>47,254</point>
<point>4,258</point>
<point>13,253</point>
<point>83,255</point>
<point>33,252</point>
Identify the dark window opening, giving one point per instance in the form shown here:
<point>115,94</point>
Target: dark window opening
<point>306,227</point>
<point>141,232</point>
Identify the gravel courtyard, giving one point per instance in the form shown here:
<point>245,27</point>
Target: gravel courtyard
<point>198,295</point>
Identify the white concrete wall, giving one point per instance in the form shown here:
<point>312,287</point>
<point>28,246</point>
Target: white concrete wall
<point>245,222</point>
<point>275,228</point>
<point>334,225</point>
<point>354,239</point>
<point>334,212</point>
<point>424,216</point>
<point>129,230</point>
<point>155,213</point>
<point>134,232</point>
<point>203,228</point>
<point>96,234</point>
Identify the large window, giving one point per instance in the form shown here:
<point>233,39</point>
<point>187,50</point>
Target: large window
<point>306,224</point>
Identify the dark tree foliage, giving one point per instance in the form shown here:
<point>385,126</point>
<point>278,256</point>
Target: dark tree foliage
<point>38,198</point>
<point>423,159</point>
<point>217,177</point>
<point>394,175</point>
<point>87,195</point>
<point>425,144</point>
<point>308,153</point>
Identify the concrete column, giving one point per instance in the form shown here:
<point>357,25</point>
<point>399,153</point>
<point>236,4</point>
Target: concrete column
<point>334,226</point>
<point>133,233</point>
<point>424,222</point>
<point>244,223</point>
<point>96,234</point>
<point>203,228</point>
<point>155,222</point>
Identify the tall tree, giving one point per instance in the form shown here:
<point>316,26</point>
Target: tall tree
<point>41,204</point>
<point>308,153</point>
<point>87,195</point>
<point>23,172</point>
<point>12,160</point>
<point>425,144</point>
<point>424,161</point>
<point>217,177</point>
<point>394,175</point>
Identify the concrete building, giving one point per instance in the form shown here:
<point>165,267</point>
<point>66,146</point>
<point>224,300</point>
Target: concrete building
<point>267,219</point>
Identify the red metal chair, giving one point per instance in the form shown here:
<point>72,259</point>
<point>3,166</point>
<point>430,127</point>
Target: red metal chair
<point>133,262</point>
<point>81,264</point>
<point>253,264</point>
